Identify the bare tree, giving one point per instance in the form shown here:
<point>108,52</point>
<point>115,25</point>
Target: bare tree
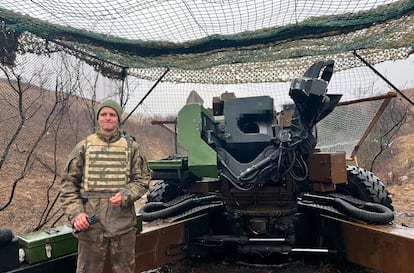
<point>26,108</point>
<point>379,144</point>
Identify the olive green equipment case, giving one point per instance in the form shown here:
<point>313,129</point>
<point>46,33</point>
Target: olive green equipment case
<point>48,244</point>
<point>54,242</point>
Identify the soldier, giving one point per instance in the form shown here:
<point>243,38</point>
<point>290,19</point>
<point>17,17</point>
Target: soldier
<point>104,176</point>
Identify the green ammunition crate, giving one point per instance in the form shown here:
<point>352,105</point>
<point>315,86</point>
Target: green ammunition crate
<point>48,244</point>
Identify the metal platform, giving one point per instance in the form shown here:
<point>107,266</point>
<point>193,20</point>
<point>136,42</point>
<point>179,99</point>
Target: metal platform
<point>386,248</point>
<point>165,243</point>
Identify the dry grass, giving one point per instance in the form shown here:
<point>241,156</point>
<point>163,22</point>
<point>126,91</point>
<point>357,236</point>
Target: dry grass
<point>34,196</point>
<point>39,189</point>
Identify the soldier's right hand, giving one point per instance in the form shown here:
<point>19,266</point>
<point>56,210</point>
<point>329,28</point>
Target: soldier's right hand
<point>81,222</point>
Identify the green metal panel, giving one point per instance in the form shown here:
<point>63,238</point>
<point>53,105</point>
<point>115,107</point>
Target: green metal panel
<point>167,164</point>
<point>47,244</point>
<point>175,168</point>
<point>202,159</point>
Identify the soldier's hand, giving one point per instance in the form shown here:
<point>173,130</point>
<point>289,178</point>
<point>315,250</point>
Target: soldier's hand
<point>81,222</point>
<point>116,200</point>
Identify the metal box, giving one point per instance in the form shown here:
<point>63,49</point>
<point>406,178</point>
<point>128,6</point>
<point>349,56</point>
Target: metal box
<point>285,117</point>
<point>48,244</point>
<point>328,167</point>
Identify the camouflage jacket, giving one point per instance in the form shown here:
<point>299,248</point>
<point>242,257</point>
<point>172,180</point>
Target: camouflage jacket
<point>108,220</point>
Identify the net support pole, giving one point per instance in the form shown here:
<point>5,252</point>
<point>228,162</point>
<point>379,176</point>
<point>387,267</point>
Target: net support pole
<point>382,77</point>
<point>146,95</point>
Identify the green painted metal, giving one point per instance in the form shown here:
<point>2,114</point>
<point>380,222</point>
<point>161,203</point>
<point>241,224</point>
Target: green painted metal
<point>168,163</point>
<point>48,244</point>
<point>202,159</point>
<point>172,168</point>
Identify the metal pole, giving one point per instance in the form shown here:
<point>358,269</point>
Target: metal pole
<point>382,77</point>
<point>146,95</point>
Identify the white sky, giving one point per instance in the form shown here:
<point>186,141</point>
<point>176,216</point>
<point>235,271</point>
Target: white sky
<point>400,73</point>
<point>168,98</point>
<point>138,19</point>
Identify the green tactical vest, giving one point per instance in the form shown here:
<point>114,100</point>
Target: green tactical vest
<point>107,167</point>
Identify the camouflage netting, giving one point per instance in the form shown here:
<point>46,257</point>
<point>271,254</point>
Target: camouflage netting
<point>58,57</point>
<point>210,41</point>
<point>247,47</point>
<point>236,45</point>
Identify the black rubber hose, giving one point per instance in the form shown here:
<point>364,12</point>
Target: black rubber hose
<point>373,213</point>
<point>159,210</point>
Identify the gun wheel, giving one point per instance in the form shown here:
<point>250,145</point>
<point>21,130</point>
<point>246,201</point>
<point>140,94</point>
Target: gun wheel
<point>163,192</point>
<point>364,185</point>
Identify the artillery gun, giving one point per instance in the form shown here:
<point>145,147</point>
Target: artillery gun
<point>259,175</point>
<point>251,183</point>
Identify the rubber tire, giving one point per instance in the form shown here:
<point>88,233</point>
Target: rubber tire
<point>163,192</point>
<point>364,185</point>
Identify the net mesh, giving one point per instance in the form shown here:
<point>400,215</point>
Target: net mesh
<point>342,130</point>
<point>198,35</point>
<point>120,49</point>
<point>154,53</point>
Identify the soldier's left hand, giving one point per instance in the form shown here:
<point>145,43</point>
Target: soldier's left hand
<point>116,200</point>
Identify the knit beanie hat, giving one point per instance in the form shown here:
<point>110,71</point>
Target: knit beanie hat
<point>112,104</point>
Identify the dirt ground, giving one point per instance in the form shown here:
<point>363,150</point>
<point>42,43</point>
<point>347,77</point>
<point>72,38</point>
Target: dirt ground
<point>403,202</point>
<point>27,208</point>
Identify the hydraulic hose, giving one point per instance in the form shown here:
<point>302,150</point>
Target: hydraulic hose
<point>372,213</point>
<point>368,212</point>
<point>159,210</point>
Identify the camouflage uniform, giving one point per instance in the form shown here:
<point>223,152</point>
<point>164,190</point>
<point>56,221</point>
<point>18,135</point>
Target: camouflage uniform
<point>113,227</point>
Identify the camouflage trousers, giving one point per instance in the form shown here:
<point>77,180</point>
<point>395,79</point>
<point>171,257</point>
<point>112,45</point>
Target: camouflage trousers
<point>92,255</point>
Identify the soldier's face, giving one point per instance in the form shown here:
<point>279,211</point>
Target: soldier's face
<point>107,120</point>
